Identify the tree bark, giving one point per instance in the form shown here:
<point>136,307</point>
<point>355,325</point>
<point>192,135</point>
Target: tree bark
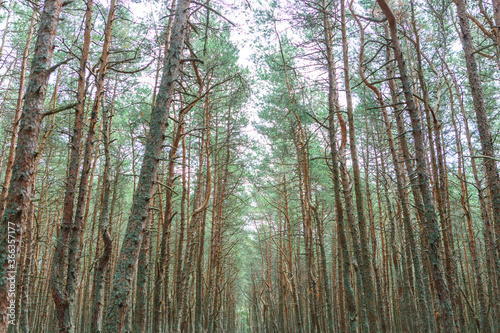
<point>63,298</point>
<point>104,223</point>
<point>348,324</point>
<point>17,114</point>
<point>21,185</point>
<point>364,263</point>
<point>483,124</point>
<point>430,222</point>
<point>127,261</point>
<point>403,196</point>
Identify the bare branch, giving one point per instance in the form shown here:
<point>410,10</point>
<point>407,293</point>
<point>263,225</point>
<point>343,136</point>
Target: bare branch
<point>59,109</point>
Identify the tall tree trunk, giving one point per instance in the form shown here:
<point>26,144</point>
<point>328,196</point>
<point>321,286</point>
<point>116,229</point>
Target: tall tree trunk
<point>293,279</point>
<point>430,222</point>
<point>196,235</point>
<point>127,261</point>
<point>17,114</point>
<point>198,315</point>
<point>215,265</point>
<point>63,298</point>
<point>139,322</point>
<point>364,264</point>
<point>324,270</point>
<point>483,124</point>
<point>172,316</point>
<point>21,184</point>
<point>164,260</point>
<point>440,180</point>
<point>403,197</point>
<point>334,108</point>
<point>104,222</point>
<point>483,322</point>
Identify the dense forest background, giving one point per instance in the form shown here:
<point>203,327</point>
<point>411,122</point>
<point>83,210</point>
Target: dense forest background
<point>255,166</point>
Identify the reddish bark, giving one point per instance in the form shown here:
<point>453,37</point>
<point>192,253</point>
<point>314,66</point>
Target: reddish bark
<point>62,298</point>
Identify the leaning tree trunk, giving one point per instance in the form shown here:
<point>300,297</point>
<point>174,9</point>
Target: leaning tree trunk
<point>21,185</point>
<point>431,226</point>
<point>17,114</point>
<point>403,196</point>
<point>127,261</point>
<point>61,298</point>
<point>164,260</point>
<point>483,124</point>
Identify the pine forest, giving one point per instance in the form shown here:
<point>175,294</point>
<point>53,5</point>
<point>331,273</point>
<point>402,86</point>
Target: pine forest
<point>255,166</point>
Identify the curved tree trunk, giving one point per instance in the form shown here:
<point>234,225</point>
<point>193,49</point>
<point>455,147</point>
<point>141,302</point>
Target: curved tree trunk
<point>104,223</point>
<point>61,297</point>
<point>430,221</point>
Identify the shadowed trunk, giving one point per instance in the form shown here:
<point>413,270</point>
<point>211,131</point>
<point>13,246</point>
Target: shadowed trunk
<point>21,184</point>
